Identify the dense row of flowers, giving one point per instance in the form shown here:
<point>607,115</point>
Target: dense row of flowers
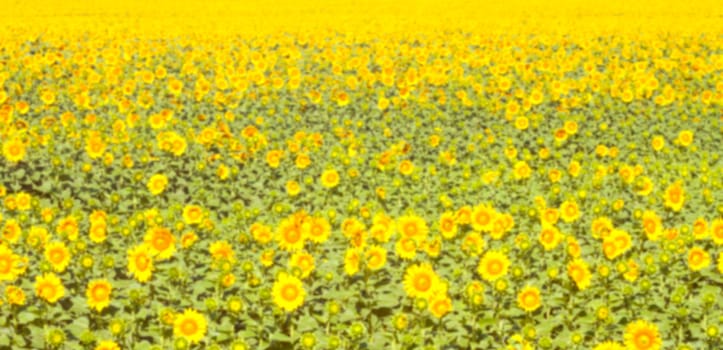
<point>318,189</point>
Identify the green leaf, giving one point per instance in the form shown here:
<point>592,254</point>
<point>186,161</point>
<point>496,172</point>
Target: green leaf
<point>78,326</point>
<point>144,345</point>
<point>26,317</point>
<point>280,337</point>
<point>4,339</point>
<point>387,301</point>
<point>306,323</point>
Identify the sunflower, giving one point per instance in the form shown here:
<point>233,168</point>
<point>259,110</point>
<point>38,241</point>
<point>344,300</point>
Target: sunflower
<point>483,217</point>
<point>657,143</point>
<point>267,257</point>
<point>58,255</point>
<point>23,201</point>
<point>330,178</point>
<point>221,250</point>
<point>98,231</point>
<point>522,170</point>
<point>375,257</point>
<point>381,231</point>
<point>14,150</point>
<point>406,167</point>
<point>290,236</point>
<point>161,242</point>
<point>107,345</point>
<point>574,168</point>
<point>579,272</point>
<point>549,216</point>
<point>610,249</point>
<point>140,262</point>
<point>98,293</point>
<point>420,281</point>
<point>698,259</point>
<point>288,292</point>
<point>493,265</point>
<point>302,161</point>
<point>616,244</point>
<point>293,188</point>
<point>11,264</point>
<point>304,262</point>
<point>642,335</point>
<point>716,231</point>
<point>49,287</point>
<point>412,226</point>
<point>273,158</point>
<point>12,231</point>
<point>342,98</point>
<point>652,225</point>
<point>37,236</point>
<point>14,295</point>
<point>261,233</point>
<point>406,248</point>
<point>317,229</point>
<point>569,211</point>
<point>685,138</point>
<point>351,227</point>
<point>473,244</point>
<point>448,225</point>
<point>674,196</point>
<point>700,229</point>
<point>440,305</point>
<point>433,247</point>
<point>188,238</point>
<point>95,147</point>
<point>644,186</point>
<point>157,184</point>
<point>192,214</point>
<point>529,299</point>
<point>190,325</point>
<point>550,237</point>
<point>632,271</point>
<point>352,257</point>
<point>463,215</point>
<point>175,86</point>
<point>521,123</point>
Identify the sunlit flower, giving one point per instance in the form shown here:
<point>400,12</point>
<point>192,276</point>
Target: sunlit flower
<point>190,325</point>
<point>529,299</point>
<point>493,266</point>
<point>642,335</point>
<point>288,292</point>
<point>49,287</point>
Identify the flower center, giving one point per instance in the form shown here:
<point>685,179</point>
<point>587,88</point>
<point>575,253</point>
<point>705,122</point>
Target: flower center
<point>142,262</point>
<point>422,283</point>
<point>189,327</point>
<point>292,235</point>
<point>5,264</point>
<point>56,256</point>
<point>100,292</point>
<point>289,292</point>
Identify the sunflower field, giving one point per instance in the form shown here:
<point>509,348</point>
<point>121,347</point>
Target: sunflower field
<point>361,174</point>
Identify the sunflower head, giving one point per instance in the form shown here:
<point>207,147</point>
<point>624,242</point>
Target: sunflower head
<point>529,299</point>
<point>190,325</point>
<point>288,292</point>
<point>493,265</point>
<point>330,178</point>
<point>420,281</point>
<point>642,335</point>
<point>98,293</point>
